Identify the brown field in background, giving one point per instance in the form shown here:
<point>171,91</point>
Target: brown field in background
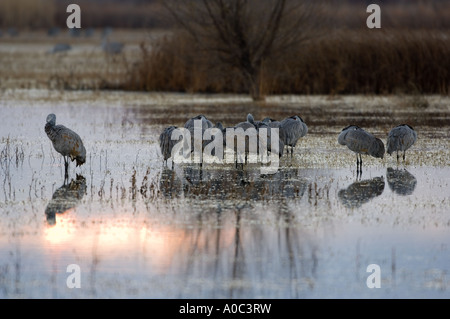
<point>23,14</point>
<point>409,54</point>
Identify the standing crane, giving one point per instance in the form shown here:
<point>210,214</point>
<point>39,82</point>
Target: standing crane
<point>292,129</point>
<point>166,143</point>
<point>361,142</point>
<point>400,138</point>
<point>66,142</point>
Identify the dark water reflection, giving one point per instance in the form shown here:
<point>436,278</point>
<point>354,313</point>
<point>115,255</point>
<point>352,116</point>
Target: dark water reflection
<point>401,181</point>
<point>361,192</point>
<point>239,184</point>
<point>66,197</point>
<point>240,261</point>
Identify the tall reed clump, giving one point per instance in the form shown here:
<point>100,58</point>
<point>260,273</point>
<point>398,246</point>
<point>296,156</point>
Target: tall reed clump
<point>343,62</point>
<point>175,64</point>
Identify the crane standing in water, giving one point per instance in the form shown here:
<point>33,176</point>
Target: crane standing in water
<point>166,143</point>
<point>400,138</point>
<point>361,142</point>
<point>66,142</point>
<point>291,130</point>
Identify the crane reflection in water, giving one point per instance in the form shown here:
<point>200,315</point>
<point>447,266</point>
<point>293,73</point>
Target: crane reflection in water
<point>401,181</point>
<point>229,251</point>
<point>222,184</point>
<point>362,191</point>
<point>64,198</point>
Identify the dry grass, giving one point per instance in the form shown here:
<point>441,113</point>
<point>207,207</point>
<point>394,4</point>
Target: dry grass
<point>410,54</point>
<point>27,13</point>
<point>344,62</point>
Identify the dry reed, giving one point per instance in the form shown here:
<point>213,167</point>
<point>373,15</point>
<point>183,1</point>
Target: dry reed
<point>343,62</point>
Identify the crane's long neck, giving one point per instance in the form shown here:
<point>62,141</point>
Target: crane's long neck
<point>51,131</point>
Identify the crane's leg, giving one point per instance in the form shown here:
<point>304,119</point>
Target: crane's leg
<point>404,155</point>
<point>397,157</point>
<point>358,163</point>
<point>66,167</point>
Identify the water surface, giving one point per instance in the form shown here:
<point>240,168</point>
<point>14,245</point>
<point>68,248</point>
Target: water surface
<point>138,229</point>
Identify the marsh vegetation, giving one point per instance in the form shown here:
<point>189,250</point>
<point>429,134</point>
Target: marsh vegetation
<point>139,229</point>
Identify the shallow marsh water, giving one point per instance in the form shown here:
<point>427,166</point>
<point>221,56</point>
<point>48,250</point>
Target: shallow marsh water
<point>139,230</point>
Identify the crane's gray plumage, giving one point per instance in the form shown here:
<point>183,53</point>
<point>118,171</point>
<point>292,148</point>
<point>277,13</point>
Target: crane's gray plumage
<point>400,138</point>
<point>272,135</point>
<point>252,135</point>
<point>111,47</point>
<point>190,125</point>
<point>166,143</point>
<point>205,122</point>
<point>267,123</point>
<point>361,142</point>
<point>291,130</point>
<point>60,47</point>
<point>66,142</point>
<point>54,31</point>
<point>251,120</point>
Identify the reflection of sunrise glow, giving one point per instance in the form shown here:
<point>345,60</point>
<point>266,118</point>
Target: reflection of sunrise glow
<point>62,231</point>
<point>117,239</point>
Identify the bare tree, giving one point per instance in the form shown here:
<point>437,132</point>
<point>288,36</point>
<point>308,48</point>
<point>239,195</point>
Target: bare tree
<point>245,34</point>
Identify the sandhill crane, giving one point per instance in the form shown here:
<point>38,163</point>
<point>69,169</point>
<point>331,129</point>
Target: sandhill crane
<point>400,138</point>
<point>190,125</point>
<point>61,47</point>
<point>251,120</point>
<point>254,135</point>
<point>214,151</point>
<point>53,31</point>
<point>249,128</point>
<point>75,32</point>
<point>271,123</point>
<point>205,122</point>
<point>66,142</point>
<point>166,143</point>
<point>291,130</point>
<point>13,32</point>
<point>111,47</point>
<point>361,142</point>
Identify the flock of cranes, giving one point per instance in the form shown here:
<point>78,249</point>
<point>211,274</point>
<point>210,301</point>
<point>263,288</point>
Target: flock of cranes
<point>107,46</point>
<point>290,130</point>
